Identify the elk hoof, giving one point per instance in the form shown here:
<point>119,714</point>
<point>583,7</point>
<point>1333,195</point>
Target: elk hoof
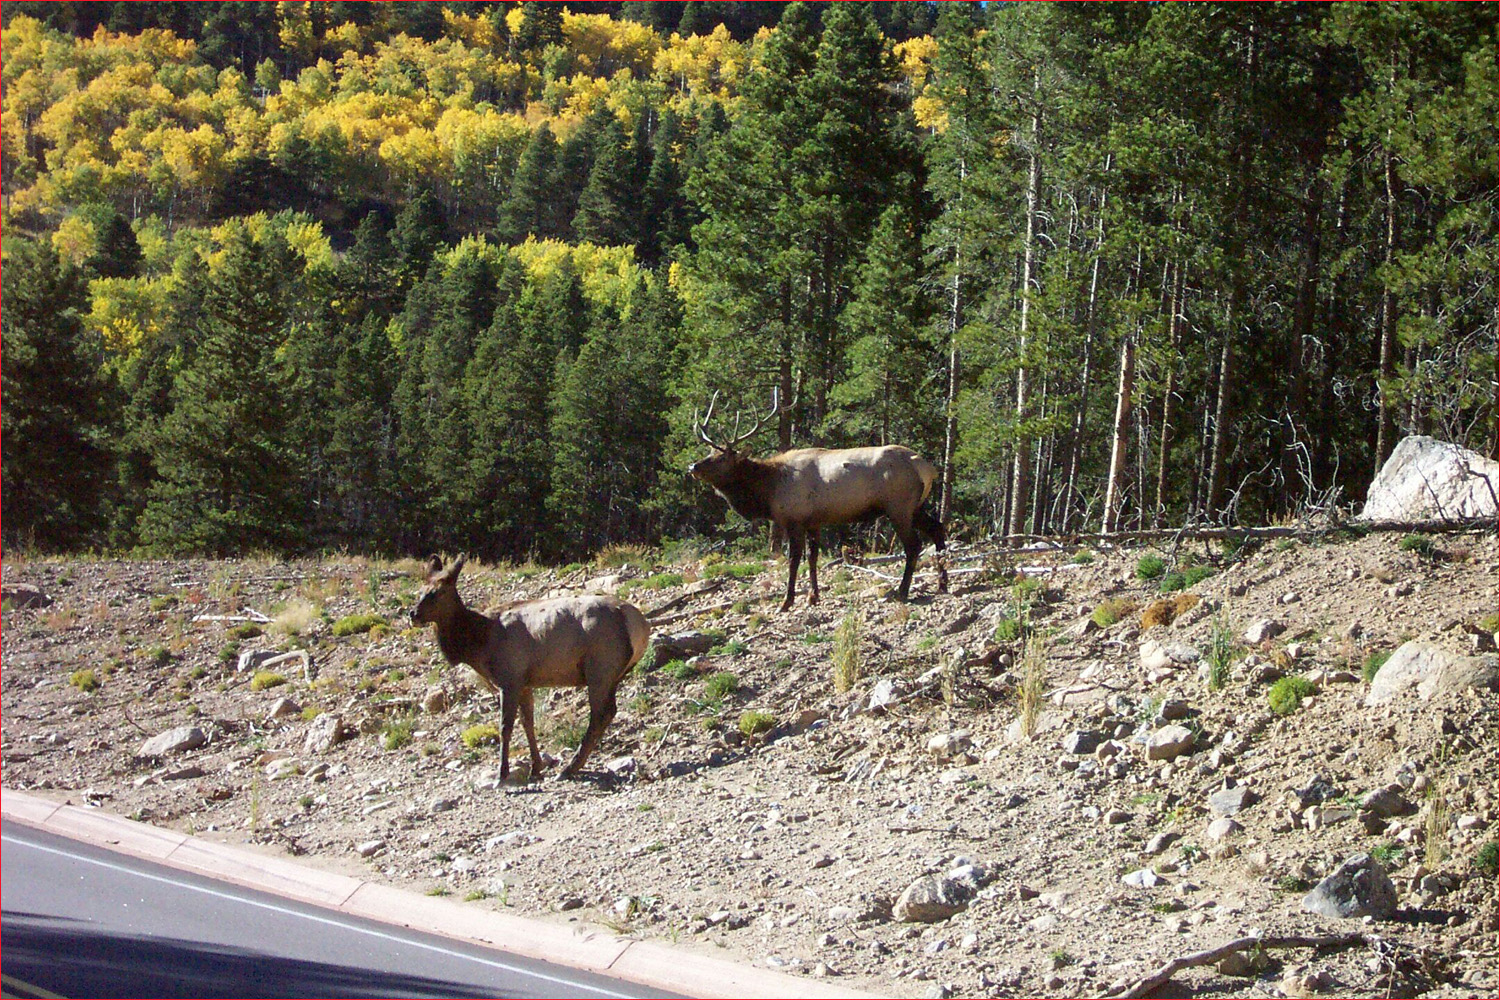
<point>786,605</point>
<point>813,599</point>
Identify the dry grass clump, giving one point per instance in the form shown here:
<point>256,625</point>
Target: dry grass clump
<point>296,617</point>
<point>846,664</point>
<point>1033,684</point>
<point>1167,610</point>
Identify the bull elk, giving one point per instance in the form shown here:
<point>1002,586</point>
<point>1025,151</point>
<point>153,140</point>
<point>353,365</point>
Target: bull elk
<point>808,489</point>
<point>561,642</point>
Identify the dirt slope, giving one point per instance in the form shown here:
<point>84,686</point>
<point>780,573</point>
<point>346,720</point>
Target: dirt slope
<point>788,847</point>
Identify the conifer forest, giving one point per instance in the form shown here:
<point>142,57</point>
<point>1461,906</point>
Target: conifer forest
<point>401,277</point>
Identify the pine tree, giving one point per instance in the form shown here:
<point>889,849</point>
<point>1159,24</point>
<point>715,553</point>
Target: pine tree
<point>420,231</point>
<point>664,214</point>
<point>533,208</point>
<point>227,475</point>
<point>56,428</point>
<point>607,208</point>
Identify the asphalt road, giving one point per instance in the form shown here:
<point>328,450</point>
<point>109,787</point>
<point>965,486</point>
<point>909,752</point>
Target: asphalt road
<point>77,920</point>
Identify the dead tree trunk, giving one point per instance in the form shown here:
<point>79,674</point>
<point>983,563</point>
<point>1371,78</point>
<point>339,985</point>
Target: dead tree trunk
<point>1019,489</point>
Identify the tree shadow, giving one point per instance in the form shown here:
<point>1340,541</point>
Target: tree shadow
<point>68,958</point>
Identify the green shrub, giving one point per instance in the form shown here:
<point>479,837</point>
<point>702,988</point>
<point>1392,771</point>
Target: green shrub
<point>159,656</point>
<point>813,638</point>
<point>1373,663</point>
<point>1195,575</point>
<point>661,581</point>
<point>163,602</point>
<point>1028,590</point>
<point>678,670</point>
<point>311,712</point>
<point>1390,854</point>
<point>230,653</point>
<point>1487,861</point>
<point>84,680</point>
<point>755,722</point>
<point>1286,695</point>
<point>734,647</point>
<point>1082,558</point>
<point>569,734</point>
<point>264,679</point>
<point>1173,582</point>
<point>1111,610</point>
<point>248,631</point>
<point>1150,566</point>
<point>1008,630</point>
<point>484,734</point>
<point>1220,653</point>
<point>720,685</point>
<point>1490,623</point>
<point>1419,544</point>
<point>355,624</point>
<point>737,571</point>
<point>397,732</point>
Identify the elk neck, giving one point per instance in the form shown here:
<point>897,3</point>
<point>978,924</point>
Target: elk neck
<point>750,486</point>
<point>462,634</point>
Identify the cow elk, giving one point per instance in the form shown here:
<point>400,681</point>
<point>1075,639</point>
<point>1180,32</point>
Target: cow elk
<point>585,641</point>
<point>808,489</point>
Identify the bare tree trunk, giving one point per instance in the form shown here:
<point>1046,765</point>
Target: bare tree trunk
<point>1385,439</point>
<point>1221,405</point>
<point>1121,434</point>
<point>1080,417</point>
<point>955,322</point>
<point>1171,389</point>
<point>1019,486</point>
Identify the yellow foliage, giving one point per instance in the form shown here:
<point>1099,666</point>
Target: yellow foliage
<point>930,112</point>
<point>915,58</point>
<point>608,274</point>
<point>702,65</point>
<point>604,46</point>
<point>125,310</point>
<point>474,30</point>
<point>75,240</point>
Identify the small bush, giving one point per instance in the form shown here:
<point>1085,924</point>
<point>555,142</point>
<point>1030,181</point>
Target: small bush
<point>484,734</point>
<point>355,624</point>
<point>230,653</point>
<point>1033,685</point>
<point>84,680</point>
<point>296,617</point>
<point>265,679</point>
<point>1158,613</point>
<point>1487,861</point>
<point>1418,544</point>
<point>661,581</point>
<point>1112,610</point>
<point>720,685</point>
<point>753,722</point>
<point>735,647</point>
<point>614,556</point>
<point>1150,567</point>
<point>1195,575</point>
<point>1490,623</point>
<point>678,670</point>
<point>1172,582</point>
<point>569,734</point>
<point>1082,558</point>
<point>159,656</point>
<point>813,638</point>
<point>1390,855</point>
<point>1028,591</point>
<point>163,602</point>
<point>1220,653</point>
<point>737,571</point>
<point>846,662</point>
<point>397,732</point>
<point>248,631</point>
<point>1286,695</point>
<point>1008,630</point>
<point>311,712</point>
<point>1373,663</point>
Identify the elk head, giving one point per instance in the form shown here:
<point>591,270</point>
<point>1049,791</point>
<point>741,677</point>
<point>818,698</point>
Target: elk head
<point>439,599</point>
<point>721,466</point>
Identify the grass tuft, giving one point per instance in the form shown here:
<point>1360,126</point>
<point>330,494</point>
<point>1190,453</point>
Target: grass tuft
<point>846,661</point>
<point>1286,695</point>
<point>355,624</point>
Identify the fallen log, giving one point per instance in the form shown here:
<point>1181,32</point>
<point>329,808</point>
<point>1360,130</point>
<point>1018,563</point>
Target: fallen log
<point>1209,956</point>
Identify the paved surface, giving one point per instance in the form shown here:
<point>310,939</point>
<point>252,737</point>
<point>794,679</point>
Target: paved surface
<point>98,905</point>
<point>82,921</point>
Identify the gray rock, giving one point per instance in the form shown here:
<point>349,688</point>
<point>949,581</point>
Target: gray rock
<point>1386,802</point>
<point>1081,741</point>
<point>1263,629</point>
<point>1160,842</point>
<point>950,744</point>
<point>441,805</point>
<point>1357,888</point>
<point>21,596</point>
<point>1117,816</point>
<point>283,708</point>
<point>1168,742</point>
<point>1431,670</point>
<point>1141,878</point>
<point>605,584</point>
<point>178,740</point>
<point>930,899</point>
<point>1228,801</point>
<point>1159,656</point>
<point>369,848</point>
<point>1429,479</point>
<point>682,645</point>
<point>1318,790</point>
<point>882,694</point>
<point>326,732</point>
<point>435,700</point>
<point>1173,709</point>
<point>1222,829</point>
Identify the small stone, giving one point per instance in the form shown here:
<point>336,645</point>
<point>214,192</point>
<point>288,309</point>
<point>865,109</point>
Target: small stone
<point>1159,843</point>
<point>22,596</point>
<point>1263,629</point>
<point>178,740</point>
<point>1290,597</point>
<point>1469,823</point>
<point>882,694</point>
<point>1117,816</point>
<point>569,903</point>
<point>930,899</point>
<point>283,768</point>
<point>1243,964</point>
<point>1108,749</point>
<point>1173,709</point>
<point>1081,741</point>
<point>1354,629</point>
<point>369,848</point>
<point>949,744</point>
<point>1222,828</point>
<point>441,805</point>
<point>1228,801</point>
<point>1168,742</point>
<point>1142,878</point>
<point>435,700</point>
<point>283,708</point>
<point>326,731</point>
<point>1387,802</point>
<point>1357,888</point>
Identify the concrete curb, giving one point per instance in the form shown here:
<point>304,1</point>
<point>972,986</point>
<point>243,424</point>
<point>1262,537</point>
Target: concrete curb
<point>649,963</point>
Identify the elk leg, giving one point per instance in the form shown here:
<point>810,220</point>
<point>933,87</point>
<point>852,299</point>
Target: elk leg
<point>926,521</point>
<point>912,543</point>
<point>527,700</point>
<point>601,714</point>
<point>794,537</point>
<point>508,704</point>
<point>812,563</point>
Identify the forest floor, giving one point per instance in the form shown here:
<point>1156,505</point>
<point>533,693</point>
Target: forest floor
<point>787,847</point>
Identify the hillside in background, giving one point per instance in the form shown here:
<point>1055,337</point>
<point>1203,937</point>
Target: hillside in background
<point>391,277</point>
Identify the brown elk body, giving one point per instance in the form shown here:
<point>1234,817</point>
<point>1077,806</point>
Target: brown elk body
<point>809,489</point>
<point>586,641</point>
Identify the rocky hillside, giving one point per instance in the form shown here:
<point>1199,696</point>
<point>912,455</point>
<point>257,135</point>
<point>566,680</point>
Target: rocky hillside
<point>1074,768</point>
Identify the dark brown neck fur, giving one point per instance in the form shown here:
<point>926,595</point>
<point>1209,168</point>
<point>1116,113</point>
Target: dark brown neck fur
<point>462,634</point>
<point>750,486</point>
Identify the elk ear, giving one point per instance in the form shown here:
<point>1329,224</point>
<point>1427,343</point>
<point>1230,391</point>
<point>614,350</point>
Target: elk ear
<point>451,574</point>
<point>434,566</point>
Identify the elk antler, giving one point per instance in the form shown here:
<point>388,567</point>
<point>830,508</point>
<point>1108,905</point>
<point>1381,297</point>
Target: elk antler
<point>703,426</point>
<point>775,408</point>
